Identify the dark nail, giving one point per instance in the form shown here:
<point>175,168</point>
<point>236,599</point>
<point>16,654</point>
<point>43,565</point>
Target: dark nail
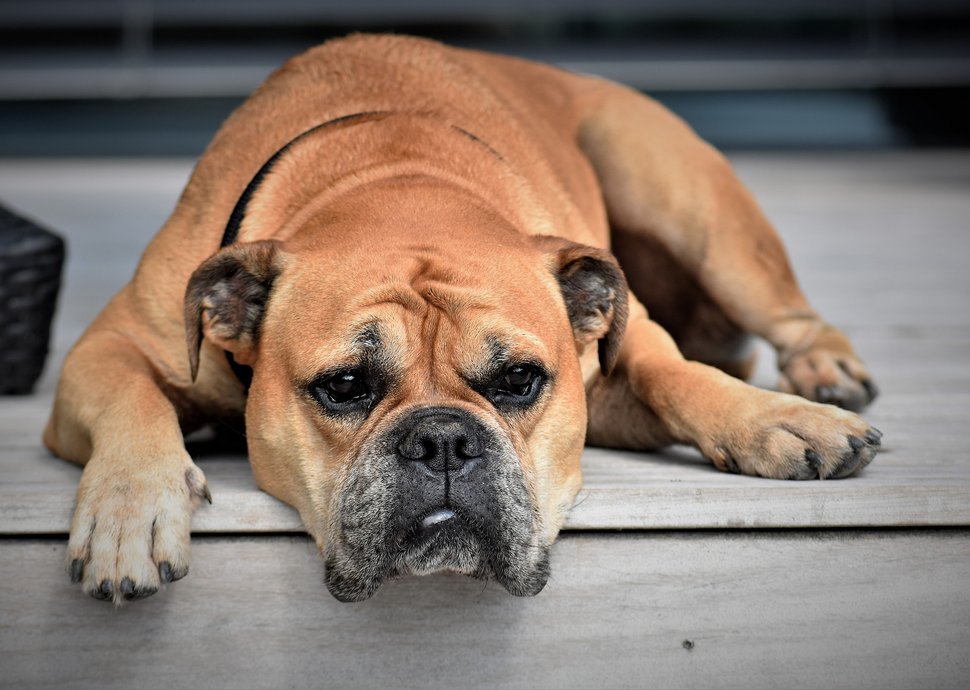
<point>107,588</point>
<point>77,570</point>
<point>127,588</point>
<point>872,439</point>
<point>813,458</point>
<point>876,431</point>
<point>200,491</point>
<point>849,463</point>
<point>165,571</point>
<point>143,593</point>
<point>856,443</point>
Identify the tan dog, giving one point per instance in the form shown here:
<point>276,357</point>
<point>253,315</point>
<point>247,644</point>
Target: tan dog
<point>415,274</point>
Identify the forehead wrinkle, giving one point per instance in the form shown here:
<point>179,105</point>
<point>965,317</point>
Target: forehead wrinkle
<point>392,294</point>
<point>452,301</point>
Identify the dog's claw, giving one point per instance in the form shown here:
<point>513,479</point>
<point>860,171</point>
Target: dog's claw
<point>143,593</point>
<point>131,593</point>
<point>860,454</point>
<point>873,438</point>
<point>77,570</point>
<point>105,591</point>
<point>824,393</point>
<point>195,480</point>
<point>166,573</point>
<point>813,458</point>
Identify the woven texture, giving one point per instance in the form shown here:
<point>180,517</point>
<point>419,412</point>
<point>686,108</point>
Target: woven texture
<point>30,275</point>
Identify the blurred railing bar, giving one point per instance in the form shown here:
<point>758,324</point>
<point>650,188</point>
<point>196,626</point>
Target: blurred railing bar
<point>134,80</point>
<point>128,56</point>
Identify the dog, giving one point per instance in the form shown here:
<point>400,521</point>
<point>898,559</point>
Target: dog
<point>426,276</point>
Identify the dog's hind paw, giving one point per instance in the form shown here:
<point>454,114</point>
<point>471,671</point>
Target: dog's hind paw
<point>130,532</point>
<point>828,371</point>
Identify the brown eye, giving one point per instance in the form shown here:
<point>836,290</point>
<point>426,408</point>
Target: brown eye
<point>517,387</point>
<point>345,387</point>
<point>518,380</point>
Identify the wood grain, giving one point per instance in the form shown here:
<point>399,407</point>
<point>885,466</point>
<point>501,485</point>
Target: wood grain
<point>879,242</point>
<point>760,610</point>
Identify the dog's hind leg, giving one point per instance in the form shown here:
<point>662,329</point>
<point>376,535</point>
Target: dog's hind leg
<point>655,397</point>
<point>664,187</point>
<point>673,298</point>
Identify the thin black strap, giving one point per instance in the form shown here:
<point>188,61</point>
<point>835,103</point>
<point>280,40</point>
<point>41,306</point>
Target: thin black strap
<point>239,210</point>
<point>243,372</point>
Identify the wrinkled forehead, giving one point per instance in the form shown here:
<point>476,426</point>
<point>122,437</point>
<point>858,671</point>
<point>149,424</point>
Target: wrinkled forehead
<point>341,307</point>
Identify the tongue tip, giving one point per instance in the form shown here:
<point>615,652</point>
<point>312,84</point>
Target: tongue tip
<point>438,517</point>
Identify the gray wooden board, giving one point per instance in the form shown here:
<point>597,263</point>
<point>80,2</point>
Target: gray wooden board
<point>879,242</point>
<point>883,609</point>
<point>922,479</point>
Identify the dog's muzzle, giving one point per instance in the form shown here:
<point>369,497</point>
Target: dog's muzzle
<point>438,490</point>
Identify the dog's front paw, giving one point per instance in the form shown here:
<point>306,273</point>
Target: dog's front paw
<point>828,371</point>
<point>130,531</point>
<point>784,437</point>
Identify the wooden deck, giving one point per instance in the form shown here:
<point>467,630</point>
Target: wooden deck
<point>717,580</point>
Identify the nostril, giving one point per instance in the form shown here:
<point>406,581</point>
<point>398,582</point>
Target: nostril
<point>428,450</point>
<point>468,447</point>
<point>417,447</point>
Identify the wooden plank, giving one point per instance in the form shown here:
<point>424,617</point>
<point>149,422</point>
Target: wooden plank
<point>622,490</point>
<point>922,478</point>
<point>760,610</point>
<point>879,241</point>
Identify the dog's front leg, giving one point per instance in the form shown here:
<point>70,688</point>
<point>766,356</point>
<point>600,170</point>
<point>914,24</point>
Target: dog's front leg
<point>664,398</point>
<point>130,531</point>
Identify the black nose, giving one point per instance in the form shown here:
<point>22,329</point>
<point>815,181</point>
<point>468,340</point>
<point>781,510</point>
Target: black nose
<point>443,440</point>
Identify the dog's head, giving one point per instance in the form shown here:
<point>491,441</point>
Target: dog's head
<point>416,391</point>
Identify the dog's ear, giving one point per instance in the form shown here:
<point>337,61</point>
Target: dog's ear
<point>226,297</point>
<point>595,291</point>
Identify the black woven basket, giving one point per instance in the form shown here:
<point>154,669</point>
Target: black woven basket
<point>30,277</point>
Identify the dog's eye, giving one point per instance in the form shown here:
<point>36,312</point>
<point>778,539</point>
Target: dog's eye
<point>345,387</point>
<point>517,386</point>
<point>518,380</point>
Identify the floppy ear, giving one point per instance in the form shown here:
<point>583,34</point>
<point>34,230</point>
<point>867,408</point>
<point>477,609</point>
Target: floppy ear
<point>595,292</point>
<point>226,297</point>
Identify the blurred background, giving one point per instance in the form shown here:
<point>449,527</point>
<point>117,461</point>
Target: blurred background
<point>156,77</point>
